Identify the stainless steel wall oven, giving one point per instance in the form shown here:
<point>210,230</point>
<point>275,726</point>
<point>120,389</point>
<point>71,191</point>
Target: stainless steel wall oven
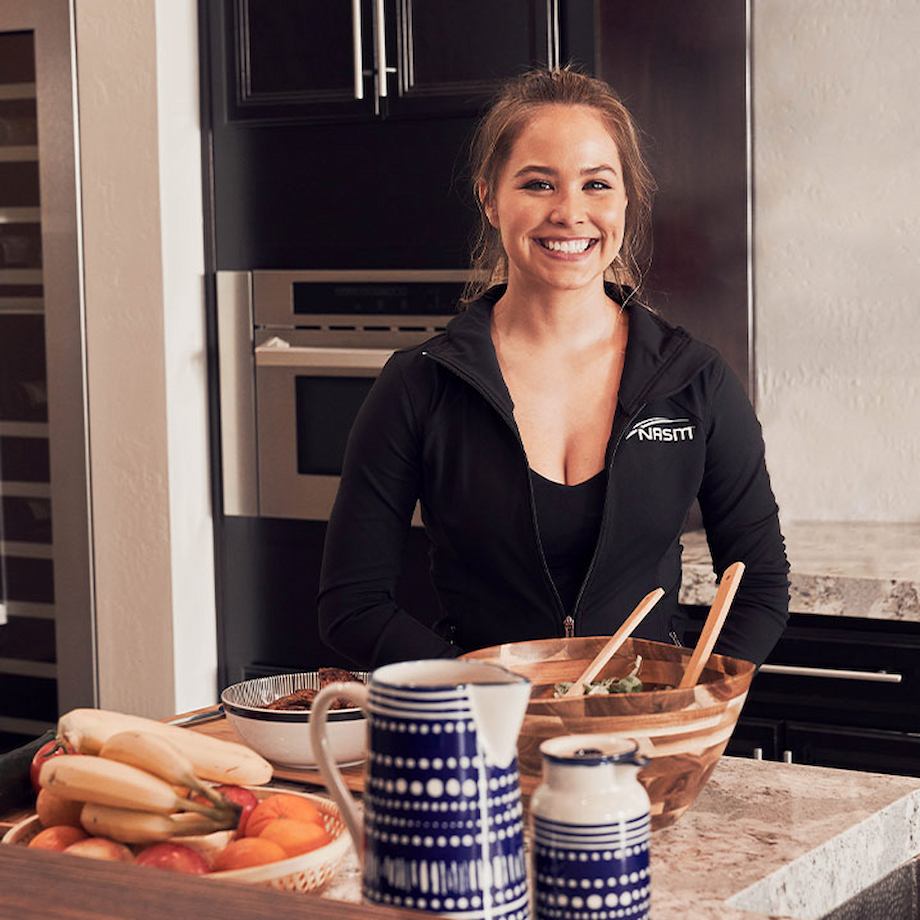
<point>298,354</point>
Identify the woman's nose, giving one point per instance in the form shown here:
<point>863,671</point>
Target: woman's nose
<point>568,210</point>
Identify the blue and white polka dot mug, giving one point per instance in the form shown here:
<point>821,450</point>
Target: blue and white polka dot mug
<point>443,821</point>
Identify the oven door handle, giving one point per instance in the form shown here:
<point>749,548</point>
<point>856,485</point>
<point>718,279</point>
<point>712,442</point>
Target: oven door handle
<point>278,353</point>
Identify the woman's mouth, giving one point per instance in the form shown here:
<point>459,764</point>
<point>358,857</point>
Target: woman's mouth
<point>568,248</point>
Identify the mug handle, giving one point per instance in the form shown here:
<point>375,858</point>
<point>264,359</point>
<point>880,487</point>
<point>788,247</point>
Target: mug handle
<point>356,693</point>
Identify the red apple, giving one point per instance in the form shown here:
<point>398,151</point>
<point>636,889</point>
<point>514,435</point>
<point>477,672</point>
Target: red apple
<point>174,857</point>
<point>100,848</point>
<point>57,838</point>
<point>242,797</point>
<point>49,749</point>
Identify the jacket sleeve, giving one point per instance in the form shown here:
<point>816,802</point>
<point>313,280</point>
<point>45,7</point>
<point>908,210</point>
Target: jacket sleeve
<point>742,522</point>
<point>362,558</point>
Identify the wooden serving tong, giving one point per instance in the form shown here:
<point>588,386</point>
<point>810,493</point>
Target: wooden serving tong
<point>715,620</point>
<point>613,644</point>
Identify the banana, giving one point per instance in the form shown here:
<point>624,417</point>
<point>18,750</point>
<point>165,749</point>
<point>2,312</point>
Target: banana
<point>160,757</point>
<point>108,782</point>
<point>213,759</point>
<point>186,824</point>
<point>124,824</point>
<point>129,826</point>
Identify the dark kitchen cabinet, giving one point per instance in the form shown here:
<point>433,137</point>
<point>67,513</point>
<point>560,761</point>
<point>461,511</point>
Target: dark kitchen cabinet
<point>310,60</point>
<point>850,700</point>
<point>295,59</point>
<point>853,749</point>
<point>756,738</point>
<point>682,70</point>
<point>305,176</point>
<point>452,57</point>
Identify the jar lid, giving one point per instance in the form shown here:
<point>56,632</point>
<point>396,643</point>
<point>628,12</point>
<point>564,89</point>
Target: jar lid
<point>591,750</point>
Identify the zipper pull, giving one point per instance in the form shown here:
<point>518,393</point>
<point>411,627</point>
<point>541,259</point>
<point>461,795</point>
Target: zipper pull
<point>568,624</point>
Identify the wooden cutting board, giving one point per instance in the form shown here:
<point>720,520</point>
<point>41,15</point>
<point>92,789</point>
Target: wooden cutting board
<point>353,776</point>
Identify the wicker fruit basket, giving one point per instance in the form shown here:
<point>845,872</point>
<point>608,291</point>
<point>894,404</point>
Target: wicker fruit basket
<point>303,873</point>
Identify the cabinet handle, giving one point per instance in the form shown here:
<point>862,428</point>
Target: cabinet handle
<point>381,39</point>
<point>787,756</point>
<point>757,753</point>
<point>877,677</point>
<point>357,48</point>
<point>552,52</point>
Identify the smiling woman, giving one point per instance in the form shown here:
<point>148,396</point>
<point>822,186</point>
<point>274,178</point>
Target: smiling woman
<point>557,433</point>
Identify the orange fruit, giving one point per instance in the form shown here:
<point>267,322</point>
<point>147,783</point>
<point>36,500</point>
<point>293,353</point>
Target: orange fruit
<point>295,837</point>
<point>53,810</point>
<point>247,851</point>
<point>57,838</point>
<point>282,806</point>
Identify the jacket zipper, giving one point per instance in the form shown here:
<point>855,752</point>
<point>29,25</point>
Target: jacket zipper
<point>568,624</point>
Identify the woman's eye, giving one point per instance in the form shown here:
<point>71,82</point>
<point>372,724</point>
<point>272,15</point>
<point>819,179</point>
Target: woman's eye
<point>597,185</point>
<point>537,185</point>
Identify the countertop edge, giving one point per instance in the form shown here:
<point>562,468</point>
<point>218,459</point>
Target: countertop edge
<point>824,878</point>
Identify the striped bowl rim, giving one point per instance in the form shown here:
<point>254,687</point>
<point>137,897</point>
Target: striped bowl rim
<point>249,698</point>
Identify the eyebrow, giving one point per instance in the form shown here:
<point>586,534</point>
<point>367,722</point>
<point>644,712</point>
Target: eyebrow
<point>549,171</point>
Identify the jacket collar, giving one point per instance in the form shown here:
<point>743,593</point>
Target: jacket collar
<point>660,358</point>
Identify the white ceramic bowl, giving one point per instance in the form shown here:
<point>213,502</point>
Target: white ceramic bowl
<point>283,737</point>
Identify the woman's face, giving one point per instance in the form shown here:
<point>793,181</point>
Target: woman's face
<point>560,201</point>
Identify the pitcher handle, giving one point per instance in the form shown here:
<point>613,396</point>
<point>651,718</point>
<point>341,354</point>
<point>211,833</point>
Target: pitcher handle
<point>355,693</point>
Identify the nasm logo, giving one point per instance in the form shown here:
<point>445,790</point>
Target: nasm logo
<point>662,429</point>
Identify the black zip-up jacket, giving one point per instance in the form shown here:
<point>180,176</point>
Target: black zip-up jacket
<point>438,426</point>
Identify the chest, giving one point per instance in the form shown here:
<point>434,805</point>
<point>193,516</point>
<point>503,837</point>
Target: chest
<point>564,411</point>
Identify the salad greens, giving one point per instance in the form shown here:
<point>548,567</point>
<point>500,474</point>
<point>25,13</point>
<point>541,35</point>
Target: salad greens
<point>628,684</point>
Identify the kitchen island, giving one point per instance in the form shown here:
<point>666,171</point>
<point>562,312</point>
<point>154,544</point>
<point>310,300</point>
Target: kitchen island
<point>763,839</point>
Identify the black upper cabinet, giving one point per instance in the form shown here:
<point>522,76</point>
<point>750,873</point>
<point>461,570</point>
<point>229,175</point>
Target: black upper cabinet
<point>339,60</point>
<point>305,175</point>
<point>452,57</point>
<point>292,60</point>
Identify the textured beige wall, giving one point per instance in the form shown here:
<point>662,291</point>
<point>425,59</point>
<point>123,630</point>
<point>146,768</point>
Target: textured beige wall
<point>142,215</point>
<point>116,72</point>
<point>837,237</point>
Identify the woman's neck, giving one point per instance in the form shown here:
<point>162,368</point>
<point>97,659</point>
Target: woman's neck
<point>555,318</point>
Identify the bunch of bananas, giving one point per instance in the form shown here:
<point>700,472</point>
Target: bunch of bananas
<point>134,788</point>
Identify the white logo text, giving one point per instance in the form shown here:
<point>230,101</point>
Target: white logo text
<point>662,429</point>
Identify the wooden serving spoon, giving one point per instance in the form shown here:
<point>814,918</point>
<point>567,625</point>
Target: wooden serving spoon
<point>715,620</point>
<point>614,642</point>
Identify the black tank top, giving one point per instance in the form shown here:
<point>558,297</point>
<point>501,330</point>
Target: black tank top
<point>569,519</point>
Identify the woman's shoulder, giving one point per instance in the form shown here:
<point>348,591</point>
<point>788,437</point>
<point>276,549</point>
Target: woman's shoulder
<point>411,367</point>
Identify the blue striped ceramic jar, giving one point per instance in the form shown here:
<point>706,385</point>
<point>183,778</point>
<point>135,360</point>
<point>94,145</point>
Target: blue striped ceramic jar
<point>591,831</point>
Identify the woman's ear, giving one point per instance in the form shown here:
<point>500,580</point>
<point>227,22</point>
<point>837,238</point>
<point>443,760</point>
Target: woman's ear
<point>482,192</point>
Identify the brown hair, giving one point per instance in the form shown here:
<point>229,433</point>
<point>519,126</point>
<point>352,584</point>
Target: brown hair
<point>495,137</point>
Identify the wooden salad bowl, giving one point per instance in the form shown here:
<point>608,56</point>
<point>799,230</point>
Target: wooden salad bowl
<point>682,733</point>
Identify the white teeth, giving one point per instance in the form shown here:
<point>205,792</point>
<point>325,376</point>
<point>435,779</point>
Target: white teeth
<point>567,245</point>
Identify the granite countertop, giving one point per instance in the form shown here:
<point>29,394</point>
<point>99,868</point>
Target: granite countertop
<point>838,569</point>
<point>768,839</point>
